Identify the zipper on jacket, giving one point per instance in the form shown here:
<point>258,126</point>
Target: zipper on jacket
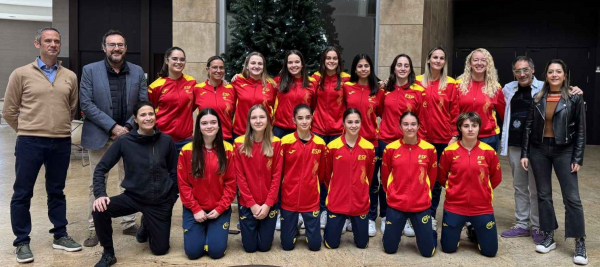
<point>410,171</point>
<point>543,127</point>
<point>566,122</point>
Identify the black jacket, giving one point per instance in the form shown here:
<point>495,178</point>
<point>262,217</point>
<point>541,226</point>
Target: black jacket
<point>568,124</point>
<point>150,167</point>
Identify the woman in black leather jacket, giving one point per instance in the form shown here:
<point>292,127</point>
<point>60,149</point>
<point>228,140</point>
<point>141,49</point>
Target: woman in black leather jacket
<point>555,137</point>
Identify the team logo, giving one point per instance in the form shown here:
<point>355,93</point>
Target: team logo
<point>351,92</point>
<point>362,217</point>
<point>226,95</point>
<point>362,157</point>
<point>517,124</point>
<point>187,87</point>
<point>201,94</point>
<point>164,91</point>
<point>272,214</point>
<point>397,156</point>
<point>434,165</point>
<point>226,226</point>
<point>425,219</point>
<point>422,156</point>
<point>292,151</point>
<point>185,231</point>
<point>243,85</point>
<point>242,218</point>
<point>316,151</point>
<point>387,93</point>
<point>179,166</point>
<point>316,213</point>
<point>455,157</point>
<point>331,216</point>
<point>409,96</point>
<point>424,104</point>
<point>498,166</point>
<point>444,224</point>
<point>490,225</point>
<point>480,157</point>
<point>388,222</point>
<point>338,157</point>
<point>270,162</point>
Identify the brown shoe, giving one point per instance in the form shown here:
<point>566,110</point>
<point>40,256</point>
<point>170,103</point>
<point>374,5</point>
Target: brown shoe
<point>131,230</point>
<point>92,240</point>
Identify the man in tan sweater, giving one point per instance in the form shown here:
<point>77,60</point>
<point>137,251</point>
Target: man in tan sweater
<point>39,104</point>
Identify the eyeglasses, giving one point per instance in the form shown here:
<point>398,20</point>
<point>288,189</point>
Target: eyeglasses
<point>113,45</point>
<point>523,70</point>
<point>178,59</point>
<point>217,68</point>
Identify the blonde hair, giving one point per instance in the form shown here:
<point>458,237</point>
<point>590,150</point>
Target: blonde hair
<point>443,76</point>
<point>264,77</point>
<point>267,146</point>
<point>491,85</point>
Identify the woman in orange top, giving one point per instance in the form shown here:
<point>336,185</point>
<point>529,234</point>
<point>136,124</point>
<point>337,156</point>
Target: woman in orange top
<point>173,99</point>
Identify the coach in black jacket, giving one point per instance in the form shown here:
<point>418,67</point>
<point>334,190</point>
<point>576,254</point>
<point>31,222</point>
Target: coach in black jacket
<point>150,183</point>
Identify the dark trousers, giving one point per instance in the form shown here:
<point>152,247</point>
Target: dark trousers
<point>155,218</point>
<point>209,236</point>
<point>289,229</point>
<point>543,157</point>
<point>257,234</point>
<point>436,192</point>
<point>335,223</point>
<point>493,141</point>
<point>31,153</point>
<point>484,226</point>
<point>280,132</point>
<point>421,222</point>
<point>376,193</point>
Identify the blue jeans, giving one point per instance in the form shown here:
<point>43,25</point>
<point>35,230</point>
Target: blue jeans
<point>208,237</point>
<point>31,153</point>
<point>542,158</point>
<point>437,188</point>
<point>376,193</point>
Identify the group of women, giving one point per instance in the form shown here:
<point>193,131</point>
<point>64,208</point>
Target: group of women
<point>306,151</point>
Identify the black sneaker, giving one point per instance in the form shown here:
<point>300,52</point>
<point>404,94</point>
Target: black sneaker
<point>580,256</point>
<point>106,260</point>
<point>547,244</point>
<point>142,234</point>
<point>24,253</point>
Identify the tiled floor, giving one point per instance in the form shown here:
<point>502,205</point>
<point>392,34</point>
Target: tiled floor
<point>512,252</point>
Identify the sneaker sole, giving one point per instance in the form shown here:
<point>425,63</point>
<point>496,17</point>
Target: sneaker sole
<point>25,260</point>
<point>55,246</point>
<point>580,262</point>
<point>513,236</point>
<point>544,250</point>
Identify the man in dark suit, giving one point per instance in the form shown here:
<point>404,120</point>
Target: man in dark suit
<point>109,89</point>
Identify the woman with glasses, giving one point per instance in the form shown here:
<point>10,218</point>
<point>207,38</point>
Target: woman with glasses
<point>173,98</point>
<point>213,93</point>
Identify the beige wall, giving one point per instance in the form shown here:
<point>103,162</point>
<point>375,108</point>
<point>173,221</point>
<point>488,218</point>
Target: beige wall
<point>16,46</point>
<point>196,30</point>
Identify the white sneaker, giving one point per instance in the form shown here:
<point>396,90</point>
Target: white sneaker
<point>408,231</point>
<point>300,221</point>
<point>323,219</point>
<point>347,226</point>
<point>434,224</point>
<point>372,228</point>
<point>278,223</point>
<point>580,256</point>
<point>383,221</point>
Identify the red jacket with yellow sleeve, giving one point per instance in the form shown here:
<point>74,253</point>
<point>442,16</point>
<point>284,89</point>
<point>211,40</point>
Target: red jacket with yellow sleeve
<point>395,103</point>
<point>222,99</point>
<point>469,178</point>
<point>408,173</point>
<point>302,172</point>
<point>485,106</point>
<point>173,102</point>
<point>258,176</point>
<point>327,119</point>
<point>348,176</point>
<point>250,92</point>
<point>212,191</point>
<point>358,96</point>
<point>286,102</point>
<point>440,110</point>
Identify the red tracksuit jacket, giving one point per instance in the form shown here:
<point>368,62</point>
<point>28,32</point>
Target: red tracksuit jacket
<point>286,102</point>
<point>302,172</point>
<point>469,178</point>
<point>402,99</point>
<point>485,106</point>
<point>213,191</point>
<point>173,102</point>
<point>408,173</point>
<point>357,96</point>
<point>250,92</point>
<point>440,110</point>
<point>220,98</point>
<point>327,119</point>
<point>348,176</point>
<point>258,176</point>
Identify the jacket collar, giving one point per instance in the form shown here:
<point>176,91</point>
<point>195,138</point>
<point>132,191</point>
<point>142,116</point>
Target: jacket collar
<point>144,138</point>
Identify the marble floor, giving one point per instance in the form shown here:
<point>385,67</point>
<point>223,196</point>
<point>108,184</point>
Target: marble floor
<point>512,252</point>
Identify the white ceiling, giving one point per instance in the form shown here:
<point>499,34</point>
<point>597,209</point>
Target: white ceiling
<point>32,10</point>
